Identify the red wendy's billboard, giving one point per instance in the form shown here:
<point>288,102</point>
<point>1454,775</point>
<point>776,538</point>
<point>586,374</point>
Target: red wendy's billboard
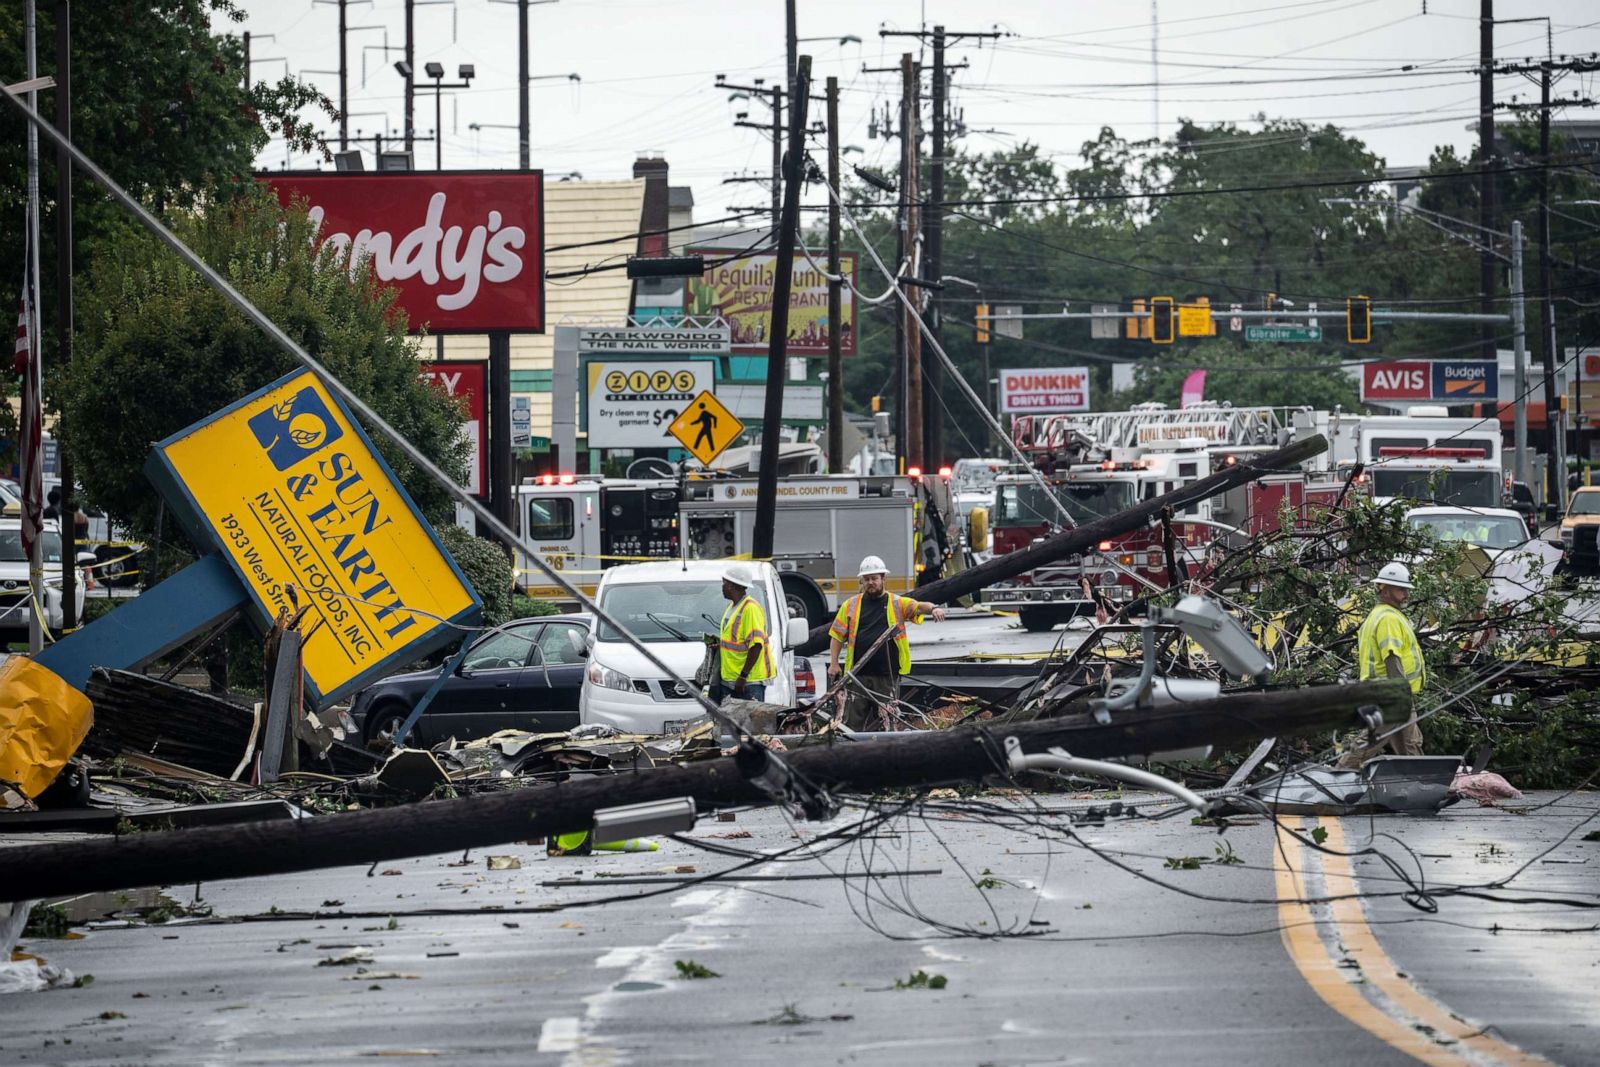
<point>465,249</point>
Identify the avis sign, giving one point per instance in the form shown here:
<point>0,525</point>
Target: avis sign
<point>1042,390</point>
<point>289,489</point>
<point>1468,381</point>
<point>465,250</point>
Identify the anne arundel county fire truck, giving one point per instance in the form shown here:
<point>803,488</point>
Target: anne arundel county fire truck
<point>1101,463</point>
<point>825,525</point>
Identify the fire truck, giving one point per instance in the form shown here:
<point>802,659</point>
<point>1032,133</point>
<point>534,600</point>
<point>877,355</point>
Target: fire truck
<point>825,525</point>
<point>1423,456</point>
<point>1099,464</point>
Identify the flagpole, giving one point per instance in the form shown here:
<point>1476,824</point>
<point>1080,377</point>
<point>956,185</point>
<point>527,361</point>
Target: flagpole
<point>31,381</point>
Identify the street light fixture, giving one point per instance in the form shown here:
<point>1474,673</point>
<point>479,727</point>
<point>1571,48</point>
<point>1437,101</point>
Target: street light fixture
<point>435,70</point>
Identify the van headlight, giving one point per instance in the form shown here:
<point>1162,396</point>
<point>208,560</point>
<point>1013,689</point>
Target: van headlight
<point>606,678</point>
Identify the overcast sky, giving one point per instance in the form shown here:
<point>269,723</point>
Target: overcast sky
<point>1068,67</point>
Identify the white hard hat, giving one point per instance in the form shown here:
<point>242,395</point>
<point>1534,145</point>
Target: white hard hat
<point>871,565</point>
<point>740,576</point>
<point>1395,574</point>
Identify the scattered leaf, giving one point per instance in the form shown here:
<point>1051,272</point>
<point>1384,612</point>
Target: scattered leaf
<point>113,1015</point>
<point>922,980</point>
<point>391,871</point>
<point>83,981</point>
<point>1319,834</point>
<point>691,969</point>
<point>1184,863</point>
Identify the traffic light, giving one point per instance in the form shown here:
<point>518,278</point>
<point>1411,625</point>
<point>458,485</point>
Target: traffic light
<point>982,322</point>
<point>877,404</point>
<point>1163,331</point>
<point>1358,320</point>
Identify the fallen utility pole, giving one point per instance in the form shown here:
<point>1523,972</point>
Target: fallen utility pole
<point>918,758</point>
<point>1084,538</point>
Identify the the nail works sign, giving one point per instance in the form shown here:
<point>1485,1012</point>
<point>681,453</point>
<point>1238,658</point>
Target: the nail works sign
<point>466,250</point>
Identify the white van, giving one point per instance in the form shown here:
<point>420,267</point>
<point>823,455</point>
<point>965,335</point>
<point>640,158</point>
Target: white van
<point>670,607</point>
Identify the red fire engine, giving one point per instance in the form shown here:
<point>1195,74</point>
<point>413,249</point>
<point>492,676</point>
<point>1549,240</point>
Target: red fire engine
<point>1099,464</point>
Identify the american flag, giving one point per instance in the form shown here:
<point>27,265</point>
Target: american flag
<point>30,449</point>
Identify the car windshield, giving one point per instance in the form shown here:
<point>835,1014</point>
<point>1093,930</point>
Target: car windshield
<point>1480,489</point>
<point>1584,504</point>
<point>1486,531</point>
<point>11,546</point>
<point>1027,505</point>
<point>682,606</point>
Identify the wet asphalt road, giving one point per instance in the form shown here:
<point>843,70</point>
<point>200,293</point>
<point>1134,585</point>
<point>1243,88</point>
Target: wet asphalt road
<point>1114,968</point>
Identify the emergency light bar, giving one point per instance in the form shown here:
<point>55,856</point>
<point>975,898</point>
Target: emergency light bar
<point>1397,451</point>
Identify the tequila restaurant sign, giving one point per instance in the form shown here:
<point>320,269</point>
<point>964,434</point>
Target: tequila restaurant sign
<point>465,249</point>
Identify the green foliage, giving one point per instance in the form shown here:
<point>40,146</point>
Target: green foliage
<point>47,920</point>
<point>1319,834</point>
<point>691,969</point>
<point>527,607</point>
<point>1246,375</point>
<point>1184,863</point>
<point>158,101</point>
<point>487,570</point>
<point>1225,856</point>
<point>159,350</point>
<point>922,980</point>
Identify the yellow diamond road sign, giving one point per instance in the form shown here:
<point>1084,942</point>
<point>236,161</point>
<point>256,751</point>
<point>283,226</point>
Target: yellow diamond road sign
<point>705,427</point>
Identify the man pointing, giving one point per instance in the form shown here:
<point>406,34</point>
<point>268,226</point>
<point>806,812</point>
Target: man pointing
<point>859,624</point>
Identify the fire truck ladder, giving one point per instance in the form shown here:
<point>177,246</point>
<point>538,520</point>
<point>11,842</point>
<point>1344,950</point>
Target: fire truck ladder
<point>1145,423</point>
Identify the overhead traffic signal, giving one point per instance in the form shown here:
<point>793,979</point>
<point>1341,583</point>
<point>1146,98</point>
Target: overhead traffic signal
<point>1163,331</point>
<point>1358,320</point>
<point>982,322</point>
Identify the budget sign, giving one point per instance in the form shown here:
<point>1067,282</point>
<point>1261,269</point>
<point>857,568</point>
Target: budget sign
<point>1044,389</point>
<point>287,486</point>
<point>465,250</point>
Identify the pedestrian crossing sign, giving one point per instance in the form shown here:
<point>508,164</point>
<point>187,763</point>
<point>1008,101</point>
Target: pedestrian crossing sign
<point>705,427</point>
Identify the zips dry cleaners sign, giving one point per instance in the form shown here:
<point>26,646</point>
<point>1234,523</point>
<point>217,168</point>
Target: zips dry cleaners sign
<point>465,250</point>
<point>289,489</point>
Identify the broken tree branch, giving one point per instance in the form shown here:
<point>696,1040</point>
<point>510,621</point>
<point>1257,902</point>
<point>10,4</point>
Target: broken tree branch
<point>919,758</point>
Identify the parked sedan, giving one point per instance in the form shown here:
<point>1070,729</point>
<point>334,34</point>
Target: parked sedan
<point>523,677</point>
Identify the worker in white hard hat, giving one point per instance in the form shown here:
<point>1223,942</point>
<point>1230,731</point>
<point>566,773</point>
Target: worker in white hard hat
<point>744,650</point>
<point>1387,647</point>
<point>860,623</point>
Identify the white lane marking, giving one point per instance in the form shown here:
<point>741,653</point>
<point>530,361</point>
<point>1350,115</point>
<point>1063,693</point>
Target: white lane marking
<point>559,1034</point>
<point>934,952</point>
<point>623,956</point>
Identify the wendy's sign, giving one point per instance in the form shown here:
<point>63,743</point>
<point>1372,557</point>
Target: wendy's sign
<point>466,250</point>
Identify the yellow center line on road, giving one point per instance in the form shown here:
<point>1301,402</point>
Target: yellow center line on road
<point>1402,1016</point>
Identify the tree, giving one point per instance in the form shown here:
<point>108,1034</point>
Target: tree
<point>1247,376</point>
<point>158,102</point>
<point>158,349</point>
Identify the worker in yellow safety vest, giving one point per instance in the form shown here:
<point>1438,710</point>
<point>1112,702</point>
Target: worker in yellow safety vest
<point>744,650</point>
<point>1387,647</point>
<point>860,622</point>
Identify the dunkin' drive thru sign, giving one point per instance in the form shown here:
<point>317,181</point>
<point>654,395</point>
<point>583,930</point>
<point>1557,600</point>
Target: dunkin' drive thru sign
<point>289,489</point>
<point>1045,389</point>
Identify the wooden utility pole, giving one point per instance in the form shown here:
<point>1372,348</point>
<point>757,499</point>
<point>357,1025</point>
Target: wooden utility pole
<point>411,78</point>
<point>910,159</point>
<point>778,342</point>
<point>777,160</point>
<point>67,510</point>
<point>1487,267</point>
<point>916,758</point>
<point>1555,420</point>
<point>836,462</point>
<point>933,373</point>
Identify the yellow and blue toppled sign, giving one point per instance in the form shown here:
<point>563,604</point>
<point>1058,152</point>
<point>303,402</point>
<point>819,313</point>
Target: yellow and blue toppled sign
<point>290,490</point>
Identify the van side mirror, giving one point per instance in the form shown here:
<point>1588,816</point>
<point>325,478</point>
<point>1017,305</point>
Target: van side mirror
<point>86,559</point>
<point>796,634</point>
<point>1552,513</point>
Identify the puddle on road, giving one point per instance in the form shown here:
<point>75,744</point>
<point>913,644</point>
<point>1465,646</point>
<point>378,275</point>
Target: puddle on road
<point>636,987</point>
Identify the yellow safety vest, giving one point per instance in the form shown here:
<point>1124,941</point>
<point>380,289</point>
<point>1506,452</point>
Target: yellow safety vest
<point>900,609</point>
<point>1387,632</point>
<point>744,625</point>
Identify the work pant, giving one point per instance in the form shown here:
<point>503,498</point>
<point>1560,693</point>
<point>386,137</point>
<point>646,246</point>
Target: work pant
<point>861,707</point>
<point>721,690</point>
<point>1408,742</point>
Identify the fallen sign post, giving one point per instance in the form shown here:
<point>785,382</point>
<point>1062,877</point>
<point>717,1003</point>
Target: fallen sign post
<point>917,758</point>
<point>1084,538</point>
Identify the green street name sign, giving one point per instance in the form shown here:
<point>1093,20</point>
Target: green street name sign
<point>1283,333</point>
